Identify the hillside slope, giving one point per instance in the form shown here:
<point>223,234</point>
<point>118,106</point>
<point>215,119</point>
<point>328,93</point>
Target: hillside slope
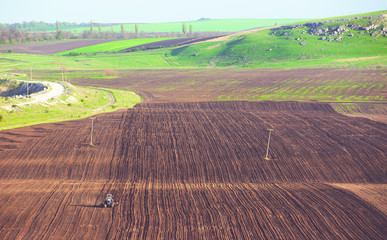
<point>352,41</point>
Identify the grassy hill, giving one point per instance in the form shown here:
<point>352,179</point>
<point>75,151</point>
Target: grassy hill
<point>349,40</point>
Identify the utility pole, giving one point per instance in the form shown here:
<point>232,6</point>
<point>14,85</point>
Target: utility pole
<point>91,132</point>
<point>268,144</point>
<point>62,77</point>
<point>27,82</point>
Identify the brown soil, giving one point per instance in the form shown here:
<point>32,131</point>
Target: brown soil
<point>189,85</point>
<point>356,59</point>
<point>208,85</point>
<point>49,47</point>
<point>194,171</point>
<point>373,193</point>
<point>373,111</point>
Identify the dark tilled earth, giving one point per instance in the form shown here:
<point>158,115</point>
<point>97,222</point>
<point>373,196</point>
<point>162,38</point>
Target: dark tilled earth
<point>49,47</point>
<point>194,171</point>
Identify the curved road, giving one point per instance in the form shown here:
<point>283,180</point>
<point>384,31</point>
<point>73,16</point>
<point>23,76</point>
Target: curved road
<point>56,89</point>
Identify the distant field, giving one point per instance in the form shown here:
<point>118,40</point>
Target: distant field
<point>210,25</point>
<point>285,47</point>
<point>49,47</point>
<point>114,46</point>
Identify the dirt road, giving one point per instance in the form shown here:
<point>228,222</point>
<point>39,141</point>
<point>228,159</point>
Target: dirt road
<point>54,90</point>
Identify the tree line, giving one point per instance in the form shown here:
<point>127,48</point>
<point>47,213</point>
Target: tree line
<point>16,33</point>
<point>37,26</point>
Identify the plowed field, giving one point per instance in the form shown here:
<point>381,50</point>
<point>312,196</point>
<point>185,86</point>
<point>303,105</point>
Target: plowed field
<point>194,171</point>
<point>49,47</point>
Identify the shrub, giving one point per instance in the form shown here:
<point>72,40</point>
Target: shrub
<point>109,72</point>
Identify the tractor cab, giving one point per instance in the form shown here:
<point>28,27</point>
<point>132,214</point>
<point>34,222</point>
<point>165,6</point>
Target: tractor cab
<point>109,201</point>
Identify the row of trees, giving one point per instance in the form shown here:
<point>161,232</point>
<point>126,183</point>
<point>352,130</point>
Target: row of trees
<point>184,29</point>
<point>39,26</point>
<point>95,31</point>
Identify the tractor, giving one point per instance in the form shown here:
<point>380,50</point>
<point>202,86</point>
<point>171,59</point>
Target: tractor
<point>109,201</point>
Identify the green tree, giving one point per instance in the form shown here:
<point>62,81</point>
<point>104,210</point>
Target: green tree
<point>99,28</point>
<point>190,30</point>
<point>136,29</point>
<point>122,31</point>
<point>92,29</point>
<point>59,35</point>
<point>184,28</point>
<point>57,27</point>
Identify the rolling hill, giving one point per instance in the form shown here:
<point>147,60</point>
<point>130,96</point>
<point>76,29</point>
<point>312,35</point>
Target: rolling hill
<point>350,40</point>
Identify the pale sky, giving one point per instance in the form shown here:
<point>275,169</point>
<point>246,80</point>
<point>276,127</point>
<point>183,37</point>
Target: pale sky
<point>146,11</point>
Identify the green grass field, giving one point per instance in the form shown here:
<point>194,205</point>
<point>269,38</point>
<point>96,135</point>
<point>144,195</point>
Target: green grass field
<point>211,25</point>
<point>114,46</point>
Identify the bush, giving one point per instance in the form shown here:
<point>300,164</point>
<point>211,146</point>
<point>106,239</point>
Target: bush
<point>74,54</point>
<point>10,51</point>
<point>109,72</point>
<point>1,118</point>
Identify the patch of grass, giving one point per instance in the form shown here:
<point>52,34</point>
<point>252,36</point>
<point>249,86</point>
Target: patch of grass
<point>84,101</point>
<point>103,77</point>
<point>114,46</point>
<point>309,91</point>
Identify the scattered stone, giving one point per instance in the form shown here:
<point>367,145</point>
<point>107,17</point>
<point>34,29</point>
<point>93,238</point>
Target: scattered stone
<point>376,34</point>
<point>303,43</point>
<point>323,38</point>
<point>269,50</point>
<point>338,39</point>
<point>298,39</point>
<point>341,28</point>
<point>350,34</point>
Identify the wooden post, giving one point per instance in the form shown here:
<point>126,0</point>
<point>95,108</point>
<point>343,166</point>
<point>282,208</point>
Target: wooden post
<point>268,144</point>
<point>27,82</point>
<point>62,77</point>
